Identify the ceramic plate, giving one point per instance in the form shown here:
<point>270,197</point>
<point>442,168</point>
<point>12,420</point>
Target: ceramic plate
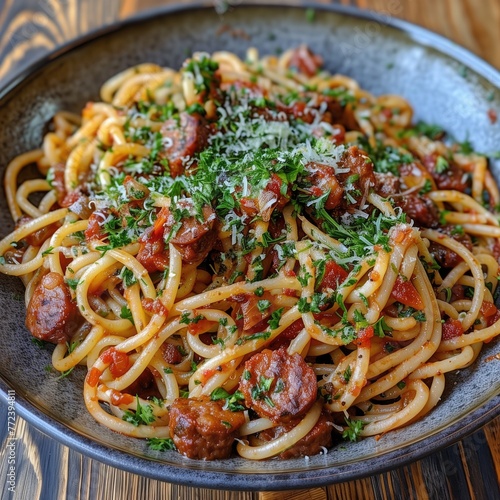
<point>444,83</point>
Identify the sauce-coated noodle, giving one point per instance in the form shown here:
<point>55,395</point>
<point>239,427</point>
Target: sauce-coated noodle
<point>285,250</point>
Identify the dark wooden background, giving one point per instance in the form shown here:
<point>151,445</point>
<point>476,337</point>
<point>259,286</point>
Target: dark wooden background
<point>46,470</point>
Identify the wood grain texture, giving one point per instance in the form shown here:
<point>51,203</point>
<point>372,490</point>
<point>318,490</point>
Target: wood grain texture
<point>474,24</point>
<point>46,470</point>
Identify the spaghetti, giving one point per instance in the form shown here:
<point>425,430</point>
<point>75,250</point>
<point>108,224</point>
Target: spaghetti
<point>255,251</point>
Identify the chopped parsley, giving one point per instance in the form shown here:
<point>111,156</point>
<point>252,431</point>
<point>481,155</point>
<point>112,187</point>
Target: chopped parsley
<point>202,71</point>
<point>433,132</point>
<point>260,390</point>
<point>274,321</point>
<point>127,314</point>
<point>254,336</point>
<point>353,429</point>
<point>233,401</point>
<point>127,277</point>
<point>381,329</point>
<point>161,444</point>
<point>347,374</point>
<point>427,187</point>
<point>72,283</point>
<point>71,347</point>
<point>143,415</point>
<point>386,159</point>
<point>188,319</point>
<point>442,165</point>
<point>263,305</point>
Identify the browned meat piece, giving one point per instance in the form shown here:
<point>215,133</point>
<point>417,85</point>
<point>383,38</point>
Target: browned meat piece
<point>278,386</point>
<point>170,353</point>
<point>52,315</point>
<point>305,61</point>
<point>194,239</point>
<point>188,136</point>
<point>249,309</point>
<point>444,256</point>
<point>420,209</point>
<point>269,199</point>
<point>457,292</point>
<point>322,179</point>
<point>319,437</point>
<point>386,185</point>
<point>152,253</point>
<point>310,106</point>
<point>446,174</point>
<point>202,429</point>
<point>38,237</point>
<point>360,177</point>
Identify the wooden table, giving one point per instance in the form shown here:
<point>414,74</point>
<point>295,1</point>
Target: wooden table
<point>48,470</point>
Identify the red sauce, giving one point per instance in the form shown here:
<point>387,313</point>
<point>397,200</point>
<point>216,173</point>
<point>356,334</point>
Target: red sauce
<point>200,327</point>
<point>493,319</point>
<point>452,328</point>
<point>206,374</point>
<point>119,362</point>
<point>405,292</point>
<point>154,306</point>
<point>364,336</point>
<point>152,253</point>
<point>170,353</point>
<point>94,229</point>
<point>488,309</point>
<point>290,332</point>
<point>333,277</point>
<point>93,377</point>
<point>119,398</point>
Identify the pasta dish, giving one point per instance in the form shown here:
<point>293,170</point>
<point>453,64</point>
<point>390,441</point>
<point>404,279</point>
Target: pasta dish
<point>254,257</point>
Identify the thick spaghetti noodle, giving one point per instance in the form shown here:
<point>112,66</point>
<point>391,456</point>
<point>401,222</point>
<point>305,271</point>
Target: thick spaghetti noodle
<point>256,251</point>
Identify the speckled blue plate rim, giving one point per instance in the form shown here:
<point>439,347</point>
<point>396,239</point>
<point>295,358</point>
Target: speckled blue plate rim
<point>195,475</point>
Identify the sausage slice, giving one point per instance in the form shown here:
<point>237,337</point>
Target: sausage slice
<point>52,315</point>
<point>278,385</point>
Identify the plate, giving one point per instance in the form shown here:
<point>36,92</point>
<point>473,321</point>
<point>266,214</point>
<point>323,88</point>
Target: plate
<point>444,83</point>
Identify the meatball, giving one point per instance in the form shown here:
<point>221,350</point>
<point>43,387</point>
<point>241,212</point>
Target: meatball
<point>278,385</point>
<point>52,315</point>
<point>203,429</point>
